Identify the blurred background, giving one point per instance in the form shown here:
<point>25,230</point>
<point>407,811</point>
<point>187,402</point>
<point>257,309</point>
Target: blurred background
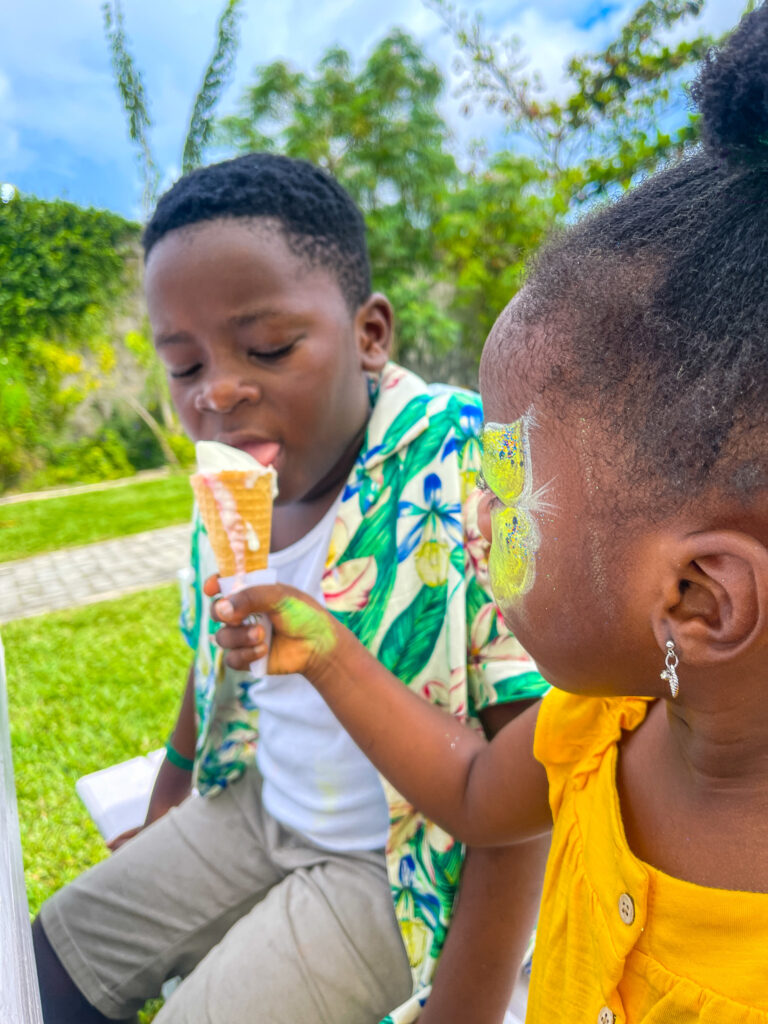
<point>465,132</point>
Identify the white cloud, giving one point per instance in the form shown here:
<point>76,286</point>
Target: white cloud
<point>14,157</point>
<point>59,109</point>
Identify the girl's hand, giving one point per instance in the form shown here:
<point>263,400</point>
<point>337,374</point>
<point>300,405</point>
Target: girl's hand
<point>304,634</point>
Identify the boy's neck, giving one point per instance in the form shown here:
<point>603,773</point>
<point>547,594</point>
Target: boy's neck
<point>292,522</point>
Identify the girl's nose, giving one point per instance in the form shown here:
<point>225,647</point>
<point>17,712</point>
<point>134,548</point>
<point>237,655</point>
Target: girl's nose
<point>224,393</point>
<point>484,516</point>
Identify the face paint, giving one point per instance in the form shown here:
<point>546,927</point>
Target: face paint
<point>308,624</point>
<point>506,471</point>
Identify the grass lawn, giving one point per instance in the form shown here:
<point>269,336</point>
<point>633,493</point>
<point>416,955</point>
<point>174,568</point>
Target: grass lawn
<point>32,527</point>
<point>86,688</point>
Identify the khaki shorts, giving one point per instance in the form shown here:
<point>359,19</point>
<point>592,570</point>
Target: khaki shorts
<point>264,927</point>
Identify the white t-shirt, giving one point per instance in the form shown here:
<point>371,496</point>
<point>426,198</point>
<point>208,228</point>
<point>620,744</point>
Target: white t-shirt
<point>317,781</point>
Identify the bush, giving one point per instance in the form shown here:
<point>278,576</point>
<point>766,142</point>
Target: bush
<point>88,460</point>
<point>65,273</point>
<point>183,449</point>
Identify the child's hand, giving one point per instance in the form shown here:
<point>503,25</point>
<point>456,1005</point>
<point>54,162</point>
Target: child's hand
<point>114,844</point>
<point>304,634</point>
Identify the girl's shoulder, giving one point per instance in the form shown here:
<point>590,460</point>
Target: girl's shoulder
<point>573,732</point>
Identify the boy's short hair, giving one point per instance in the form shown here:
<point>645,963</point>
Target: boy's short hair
<point>317,218</point>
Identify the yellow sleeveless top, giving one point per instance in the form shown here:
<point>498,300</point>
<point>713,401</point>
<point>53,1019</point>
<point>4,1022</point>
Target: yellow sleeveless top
<point>618,941</point>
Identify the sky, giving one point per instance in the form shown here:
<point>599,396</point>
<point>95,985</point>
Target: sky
<point>63,133</point>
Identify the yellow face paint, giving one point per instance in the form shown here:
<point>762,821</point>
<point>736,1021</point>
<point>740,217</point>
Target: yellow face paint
<point>506,471</point>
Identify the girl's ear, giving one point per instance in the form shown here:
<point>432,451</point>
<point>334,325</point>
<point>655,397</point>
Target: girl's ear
<point>374,322</point>
<point>715,597</point>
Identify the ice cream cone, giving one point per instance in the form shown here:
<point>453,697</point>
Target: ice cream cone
<point>236,507</point>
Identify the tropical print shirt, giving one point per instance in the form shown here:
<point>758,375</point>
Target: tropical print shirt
<point>407,573</point>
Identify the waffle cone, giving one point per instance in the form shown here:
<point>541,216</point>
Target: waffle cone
<point>236,507</point>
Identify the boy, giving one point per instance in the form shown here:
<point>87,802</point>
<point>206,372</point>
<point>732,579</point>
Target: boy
<point>275,899</point>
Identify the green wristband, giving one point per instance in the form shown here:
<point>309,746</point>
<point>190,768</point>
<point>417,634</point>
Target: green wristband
<point>177,759</point>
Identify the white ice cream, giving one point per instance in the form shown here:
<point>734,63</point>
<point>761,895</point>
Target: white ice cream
<point>213,457</point>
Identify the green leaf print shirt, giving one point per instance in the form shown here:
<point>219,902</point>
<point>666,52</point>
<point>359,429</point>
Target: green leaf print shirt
<point>406,572</point>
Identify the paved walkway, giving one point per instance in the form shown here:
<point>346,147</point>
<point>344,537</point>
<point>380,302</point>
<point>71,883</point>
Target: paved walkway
<point>94,572</point>
<point>105,485</point>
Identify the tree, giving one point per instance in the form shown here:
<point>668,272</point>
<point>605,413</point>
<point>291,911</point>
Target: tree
<point>377,130</point>
<point>487,233</point>
<point>616,123</point>
<point>130,86</point>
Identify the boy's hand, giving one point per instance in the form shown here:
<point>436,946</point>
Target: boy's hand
<point>118,841</point>
<point>172,786</point>
<point>304,634</point>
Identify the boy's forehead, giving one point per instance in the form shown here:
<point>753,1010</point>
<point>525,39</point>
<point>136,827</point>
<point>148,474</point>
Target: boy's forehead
<point>248,253</point>
<point>257,233</point>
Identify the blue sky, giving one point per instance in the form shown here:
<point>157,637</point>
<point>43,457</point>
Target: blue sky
<point>62,131</point>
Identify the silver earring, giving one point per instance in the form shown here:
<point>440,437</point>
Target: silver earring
<point>670,673</point>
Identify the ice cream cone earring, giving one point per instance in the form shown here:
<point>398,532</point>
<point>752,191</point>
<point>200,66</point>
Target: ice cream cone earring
<point>670,672</point>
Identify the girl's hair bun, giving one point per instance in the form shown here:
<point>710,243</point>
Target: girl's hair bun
<point>731,92</point>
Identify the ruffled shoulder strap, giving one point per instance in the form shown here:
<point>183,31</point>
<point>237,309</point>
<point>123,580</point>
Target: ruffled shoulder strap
<point>573,733</point>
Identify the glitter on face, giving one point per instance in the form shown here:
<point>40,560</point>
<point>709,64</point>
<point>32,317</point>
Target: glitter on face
<point>506,470</point>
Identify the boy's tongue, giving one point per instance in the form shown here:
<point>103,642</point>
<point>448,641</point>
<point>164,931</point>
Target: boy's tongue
<point>264,452</point>
<point>213,457</point>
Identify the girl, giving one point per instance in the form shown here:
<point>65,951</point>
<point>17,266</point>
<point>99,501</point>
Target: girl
<point>625,463</point>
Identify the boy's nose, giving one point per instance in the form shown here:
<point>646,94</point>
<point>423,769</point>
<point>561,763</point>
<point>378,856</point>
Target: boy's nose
<point>224,394</point>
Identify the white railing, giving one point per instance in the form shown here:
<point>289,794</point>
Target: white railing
<point>19,997</point>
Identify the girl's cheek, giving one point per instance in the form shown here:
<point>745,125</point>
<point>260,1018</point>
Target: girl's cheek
<point>484,516</point>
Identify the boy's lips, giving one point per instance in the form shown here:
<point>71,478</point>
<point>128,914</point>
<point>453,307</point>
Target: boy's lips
<point>265,452</point>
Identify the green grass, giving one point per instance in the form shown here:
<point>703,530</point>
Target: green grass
<point>32,527</point>
<point>87,688</point>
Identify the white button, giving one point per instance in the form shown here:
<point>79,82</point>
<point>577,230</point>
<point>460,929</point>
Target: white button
<point>626,908</point>
<point>606,1016</point>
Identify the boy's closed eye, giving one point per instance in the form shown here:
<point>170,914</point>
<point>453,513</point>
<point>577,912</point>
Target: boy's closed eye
<point>186,372</point>
<point>268,354</point>
<point>273,353</point>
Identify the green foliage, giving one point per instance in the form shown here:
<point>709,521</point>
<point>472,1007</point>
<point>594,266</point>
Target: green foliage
<point>130,86</point>
<point>215,78</point>
<point>60,266</point>
<point>449,247</point>
<point>618,120</point>
<point>64,270</point>
<point>34,526</point>
<point>183,449</point>
<point>446,246</point>
<point>377,130</point>
<point>86,460</point>
<point>67,274</point>
<point>486,234</point>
